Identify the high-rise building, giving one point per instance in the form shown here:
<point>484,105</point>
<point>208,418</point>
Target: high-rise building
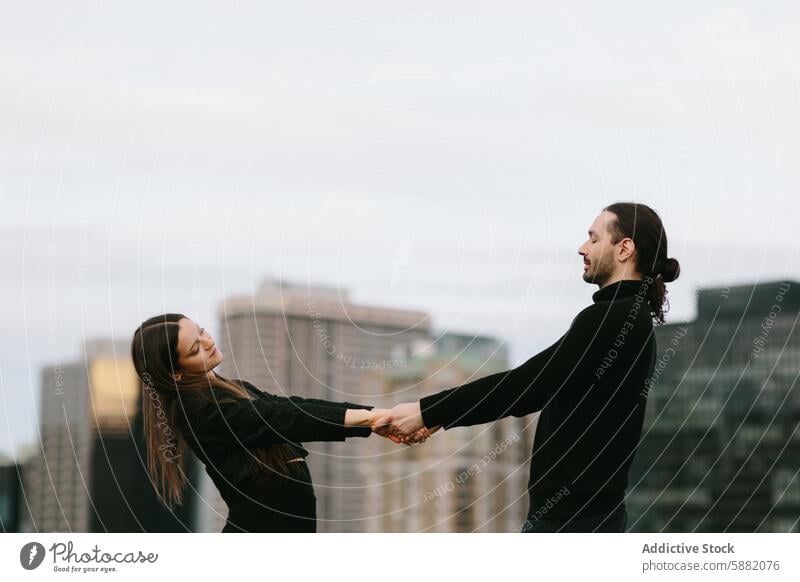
<point>720,449</point>
<point>11,499</point>
<point>314,342</point>
<point>90,472</point>
<point>15,506</point>
<point>461,480</point>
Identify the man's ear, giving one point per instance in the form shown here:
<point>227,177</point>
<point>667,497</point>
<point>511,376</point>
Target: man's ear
<point>626,249</point>
<point>177,377</point>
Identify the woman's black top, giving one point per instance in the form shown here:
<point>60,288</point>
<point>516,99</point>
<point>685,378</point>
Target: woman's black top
<point>591,388</point>
<point>222,428</point>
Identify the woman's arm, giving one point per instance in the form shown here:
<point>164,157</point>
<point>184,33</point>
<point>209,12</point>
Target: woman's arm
<point>353,420</point>
<point>361,417</point>
<point>356,414</point>
<point>262,421</point>
<point>301,399</point>
<point>331,403</point>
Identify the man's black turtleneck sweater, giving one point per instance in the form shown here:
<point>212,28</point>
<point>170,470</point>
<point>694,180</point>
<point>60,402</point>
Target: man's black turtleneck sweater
<point>590,388</point>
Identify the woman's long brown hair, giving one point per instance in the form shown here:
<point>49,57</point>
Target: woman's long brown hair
<point>154,350</point>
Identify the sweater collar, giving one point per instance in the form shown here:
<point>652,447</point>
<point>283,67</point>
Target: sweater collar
<point>620,289</point>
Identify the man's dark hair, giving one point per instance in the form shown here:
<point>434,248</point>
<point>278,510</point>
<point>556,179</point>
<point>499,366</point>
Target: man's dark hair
<point>643,224</point>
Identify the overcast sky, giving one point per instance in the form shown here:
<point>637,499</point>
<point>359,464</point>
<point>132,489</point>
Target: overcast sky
<point>444,156</point>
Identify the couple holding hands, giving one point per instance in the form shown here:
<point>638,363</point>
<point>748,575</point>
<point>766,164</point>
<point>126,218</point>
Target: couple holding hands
<point>589,387</point>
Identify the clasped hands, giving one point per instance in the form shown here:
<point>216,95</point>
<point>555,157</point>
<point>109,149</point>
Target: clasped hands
<point>402,424</point>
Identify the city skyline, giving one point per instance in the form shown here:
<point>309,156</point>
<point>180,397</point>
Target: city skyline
<point>160,157</point>
<point>328,336</point>
<point>520,354</point>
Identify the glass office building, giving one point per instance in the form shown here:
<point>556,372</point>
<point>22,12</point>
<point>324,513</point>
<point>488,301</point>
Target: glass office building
<point>720,449</point>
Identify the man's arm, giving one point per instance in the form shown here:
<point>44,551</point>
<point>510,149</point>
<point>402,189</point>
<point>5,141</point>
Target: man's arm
<point>519,391</point>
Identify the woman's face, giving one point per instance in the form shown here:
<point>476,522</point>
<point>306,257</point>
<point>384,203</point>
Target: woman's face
<point>197,351</point>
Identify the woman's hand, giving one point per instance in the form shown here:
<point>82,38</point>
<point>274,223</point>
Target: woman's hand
<point>376,414</point>
<point>376,419</point>
<point>403,420</point>
<point>420,436</point>
<point>364,417</point>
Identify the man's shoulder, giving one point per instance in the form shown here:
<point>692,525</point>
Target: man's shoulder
<point>593,314</point>
<point>625,312</point>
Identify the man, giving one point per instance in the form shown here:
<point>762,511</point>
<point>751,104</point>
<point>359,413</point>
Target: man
<point>589,385</point>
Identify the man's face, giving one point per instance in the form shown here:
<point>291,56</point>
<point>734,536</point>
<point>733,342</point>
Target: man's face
<point>599,263</point>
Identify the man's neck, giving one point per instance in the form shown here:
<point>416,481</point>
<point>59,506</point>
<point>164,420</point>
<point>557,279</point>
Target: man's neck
<point>623,277</point>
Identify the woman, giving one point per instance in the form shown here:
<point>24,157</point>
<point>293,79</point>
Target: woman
<point>248,440</point>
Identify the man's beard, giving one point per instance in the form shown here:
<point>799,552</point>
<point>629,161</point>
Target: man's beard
<point>598,274</point>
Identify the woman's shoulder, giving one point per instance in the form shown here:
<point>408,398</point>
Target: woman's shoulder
<point>220,395</point>
<point>250,387</point>
<point>246,385</point>
<point>197,399</point>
